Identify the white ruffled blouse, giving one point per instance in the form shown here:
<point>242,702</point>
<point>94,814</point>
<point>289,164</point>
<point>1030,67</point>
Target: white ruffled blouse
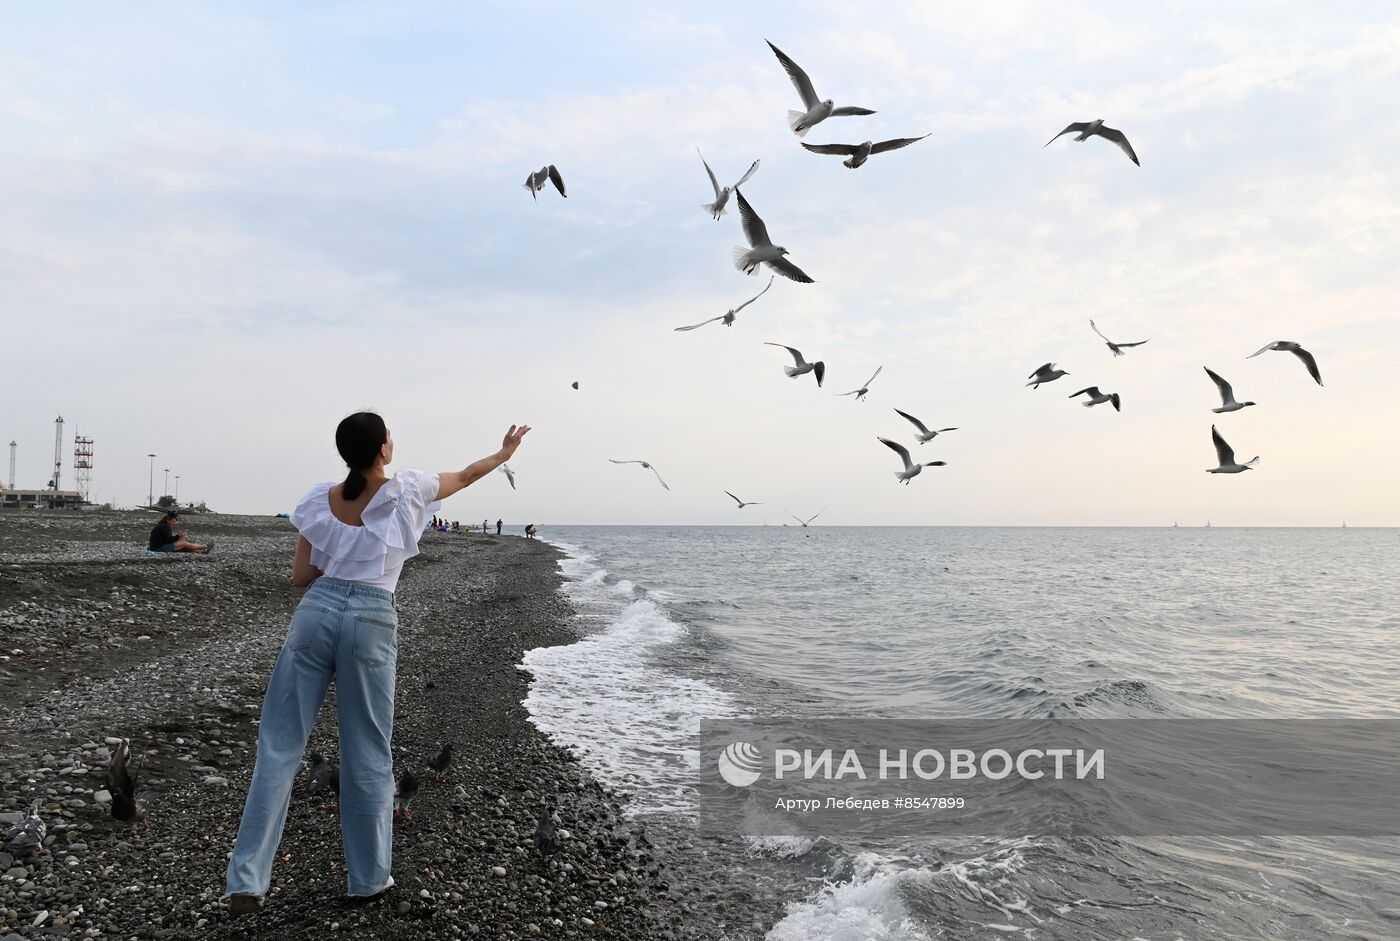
<point>372,553</point>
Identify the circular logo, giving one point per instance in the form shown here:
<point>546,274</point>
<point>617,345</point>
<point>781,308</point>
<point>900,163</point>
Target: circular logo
<point>740,764</point>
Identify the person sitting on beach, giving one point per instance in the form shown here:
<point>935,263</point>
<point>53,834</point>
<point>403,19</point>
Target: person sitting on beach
<point>164,537</point>
<point>355,537</point>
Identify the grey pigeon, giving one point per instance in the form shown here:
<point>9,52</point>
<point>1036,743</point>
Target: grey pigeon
<point>404,791</point>
<point>546,838</point>
<point>318,776</point>
<point>546,174</point>
<point>857,154</point>
<point>26,838</point>
<point>122,784</point>
<point>441,761</point>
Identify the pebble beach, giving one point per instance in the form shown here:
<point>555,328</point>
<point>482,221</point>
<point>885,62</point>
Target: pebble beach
<point>103,642</point>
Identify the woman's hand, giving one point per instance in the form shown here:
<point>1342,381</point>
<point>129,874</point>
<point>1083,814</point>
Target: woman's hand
<point>449,482</point>
<point>512,440</point>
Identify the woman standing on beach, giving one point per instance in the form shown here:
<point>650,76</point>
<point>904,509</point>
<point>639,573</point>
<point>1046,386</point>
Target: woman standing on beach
<point>355,537</point>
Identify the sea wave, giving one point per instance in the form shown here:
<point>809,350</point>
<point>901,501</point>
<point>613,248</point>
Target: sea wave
<point>606,698</point>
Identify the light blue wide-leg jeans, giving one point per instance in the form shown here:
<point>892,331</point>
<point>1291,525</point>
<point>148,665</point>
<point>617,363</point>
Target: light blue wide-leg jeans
<point>349,631</point>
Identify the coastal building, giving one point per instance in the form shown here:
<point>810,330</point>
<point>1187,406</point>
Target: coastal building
<point>45,499</point>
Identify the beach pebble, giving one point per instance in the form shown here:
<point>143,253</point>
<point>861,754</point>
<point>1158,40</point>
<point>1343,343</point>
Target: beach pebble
<point>498,871</point>
<point>102,796</point>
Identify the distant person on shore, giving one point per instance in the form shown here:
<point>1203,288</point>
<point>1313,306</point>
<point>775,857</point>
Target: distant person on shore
<point>483,528</point>
<point>530,531</point>
<point>165,538</point>
<point>354,539</point>
<point>498,527</point>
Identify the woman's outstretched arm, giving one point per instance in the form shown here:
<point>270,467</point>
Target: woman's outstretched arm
<point>449,482</point>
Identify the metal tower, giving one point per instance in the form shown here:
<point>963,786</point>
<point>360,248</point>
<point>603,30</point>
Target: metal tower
<point>12,464</point>
<point>57,452</point>
<point>82,466</point>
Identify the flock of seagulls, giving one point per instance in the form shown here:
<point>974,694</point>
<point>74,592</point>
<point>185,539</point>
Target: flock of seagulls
<point>762,251</point>
<point>1225,455</point>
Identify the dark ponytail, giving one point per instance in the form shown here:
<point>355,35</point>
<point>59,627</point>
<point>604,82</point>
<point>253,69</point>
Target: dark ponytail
<point>359,438</point>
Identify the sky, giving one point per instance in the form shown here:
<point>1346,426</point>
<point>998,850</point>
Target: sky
<point>226,227</point>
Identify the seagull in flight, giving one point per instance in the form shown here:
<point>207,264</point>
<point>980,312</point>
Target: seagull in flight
<point>911,470</point>
<point>548,174</point>
<point>648,467</point>
<point>1046,373</point>
<point>1227,394</point>
<point>1117,348</point>
<point>716,208</point>
<point>818,110</point>
<point>803,367</point>
<point>1098,398</point>
<point>761,250</point>
<point>1288,346</point>
<point>742,503</point>
<point>510,474</point>
<point>1226,456</point>
<point>807,522</point>
<point>857,154</point>
<point>1087,129</point>
<point>926,434</point>
<point>728,316</point>
<point>860,393</point>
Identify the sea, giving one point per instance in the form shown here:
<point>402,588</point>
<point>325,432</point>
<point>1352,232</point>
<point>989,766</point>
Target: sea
<point>680,625</point>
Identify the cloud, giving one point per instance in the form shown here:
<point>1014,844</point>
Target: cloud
<point>315,238</point>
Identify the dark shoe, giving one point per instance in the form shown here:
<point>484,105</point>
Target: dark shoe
<point>360,901</point>
<point>244,904</point>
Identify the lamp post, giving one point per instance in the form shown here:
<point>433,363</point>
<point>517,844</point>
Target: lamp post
<point>177,489</point>
<point>165,490</point>
<point>151,496</point>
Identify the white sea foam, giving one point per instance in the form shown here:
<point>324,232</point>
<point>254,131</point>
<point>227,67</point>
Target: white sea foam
<point>604,695</point>
<point>870,905</point>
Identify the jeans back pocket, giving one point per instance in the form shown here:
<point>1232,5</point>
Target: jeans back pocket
<point>376,638</point>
